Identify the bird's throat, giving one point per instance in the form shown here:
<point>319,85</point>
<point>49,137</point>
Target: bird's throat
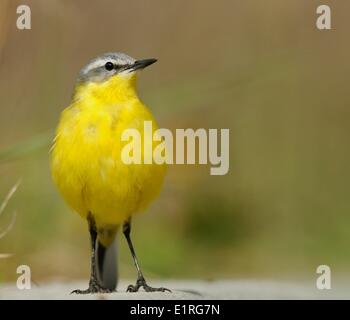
<point>118,89</point>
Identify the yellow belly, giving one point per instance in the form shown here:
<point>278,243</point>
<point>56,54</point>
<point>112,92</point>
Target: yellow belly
<point>87,168</point>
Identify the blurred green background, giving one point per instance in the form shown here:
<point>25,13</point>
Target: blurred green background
<point>260,68</point>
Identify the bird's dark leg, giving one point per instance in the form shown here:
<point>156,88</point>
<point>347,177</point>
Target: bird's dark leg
<point>94,285</point>
<point>140,282</point>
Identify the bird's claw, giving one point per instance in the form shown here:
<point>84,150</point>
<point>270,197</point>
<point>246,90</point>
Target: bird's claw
<point>142,284</point>
<point>92,291</point>
<point>93,288</point>
<point>78,291</point>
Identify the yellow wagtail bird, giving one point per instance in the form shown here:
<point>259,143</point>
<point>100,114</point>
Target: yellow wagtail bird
<point>87,166</point>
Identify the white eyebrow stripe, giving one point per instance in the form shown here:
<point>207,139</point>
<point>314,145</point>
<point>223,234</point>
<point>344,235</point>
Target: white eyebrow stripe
<point>96,64</point>
<point>101,62</point>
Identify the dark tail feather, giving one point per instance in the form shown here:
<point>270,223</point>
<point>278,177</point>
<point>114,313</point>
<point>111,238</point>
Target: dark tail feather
<point>107,272</point>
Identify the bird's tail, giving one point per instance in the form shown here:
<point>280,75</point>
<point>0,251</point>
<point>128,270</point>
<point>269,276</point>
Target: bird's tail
<point>106,257</point>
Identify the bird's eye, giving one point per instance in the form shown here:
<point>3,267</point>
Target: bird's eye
<point>109,66</point>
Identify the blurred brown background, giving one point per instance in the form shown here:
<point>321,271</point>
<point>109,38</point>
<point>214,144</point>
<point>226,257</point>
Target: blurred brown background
<point>260,68</point>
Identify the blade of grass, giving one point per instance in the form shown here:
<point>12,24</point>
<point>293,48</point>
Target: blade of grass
<point>2,208</point>
<point>8,197</point>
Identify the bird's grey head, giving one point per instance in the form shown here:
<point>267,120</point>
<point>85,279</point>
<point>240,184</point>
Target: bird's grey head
<point>110,64</point>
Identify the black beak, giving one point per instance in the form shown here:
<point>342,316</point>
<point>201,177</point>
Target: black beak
<point>141,64</point>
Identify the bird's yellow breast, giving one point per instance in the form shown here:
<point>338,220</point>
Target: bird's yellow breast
<point>86,156</point>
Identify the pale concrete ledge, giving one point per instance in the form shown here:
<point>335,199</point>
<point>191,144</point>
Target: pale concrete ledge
<point>184,289</point>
